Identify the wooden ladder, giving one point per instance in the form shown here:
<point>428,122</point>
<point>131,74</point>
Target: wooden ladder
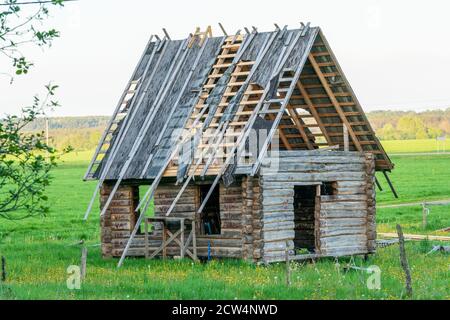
<point>111,129</point>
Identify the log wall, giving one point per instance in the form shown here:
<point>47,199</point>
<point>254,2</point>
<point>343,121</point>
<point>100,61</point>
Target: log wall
<point>344,221</point>
<point>227,244</point>
<point>257,213</point>
<point>119,220</point>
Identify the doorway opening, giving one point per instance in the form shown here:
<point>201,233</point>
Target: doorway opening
<point>304,219</point>
<point>210,216</point>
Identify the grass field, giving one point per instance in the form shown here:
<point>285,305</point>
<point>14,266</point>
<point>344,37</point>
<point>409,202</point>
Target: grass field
<point>413,146</point>
<point>39,250</point>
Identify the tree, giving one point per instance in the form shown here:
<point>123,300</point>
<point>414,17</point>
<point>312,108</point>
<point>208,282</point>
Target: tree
<point>388,132</point>
<point>21,27</point>
<point>25,159</point>
<point>411,127</point>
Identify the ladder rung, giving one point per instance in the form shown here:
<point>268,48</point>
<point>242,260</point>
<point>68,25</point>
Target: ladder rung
<point>286,79</point>
<point>234,74</point>
<point>226,56</point>
<point>232,124</point>
<point>269,111</point>
<point>230,46</point>
<point>274,101</point>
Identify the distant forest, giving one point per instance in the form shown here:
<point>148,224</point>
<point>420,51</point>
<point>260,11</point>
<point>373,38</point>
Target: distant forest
<point>406,125</point>
<point>83,133</point>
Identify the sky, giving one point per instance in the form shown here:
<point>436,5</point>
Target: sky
<point>395,54</point>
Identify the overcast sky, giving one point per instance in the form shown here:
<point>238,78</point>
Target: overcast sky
<point>396,54</point>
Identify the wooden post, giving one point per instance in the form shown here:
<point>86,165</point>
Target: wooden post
<point>194,238</point>
<point>146,237</point>
<point>378,184</point>
<point>84,252</point>
<point>425,212</point>
<point>288,269</point>
<point>404,261</point>
<point>346,142</point>
<point>182,239</point>
<point>164,235</point>
<point>3,269</point>
<point>390,184</point>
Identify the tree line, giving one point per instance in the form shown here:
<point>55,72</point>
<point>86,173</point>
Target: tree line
<point>83,133</point>
<point>407,125</point>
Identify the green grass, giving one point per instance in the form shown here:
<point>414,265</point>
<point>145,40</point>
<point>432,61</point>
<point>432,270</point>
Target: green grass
<point>412,146</point>
<point>39,250</point>
<point>417,178</point>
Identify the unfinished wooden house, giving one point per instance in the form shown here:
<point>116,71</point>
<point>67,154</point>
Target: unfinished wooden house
<point>181,172</point>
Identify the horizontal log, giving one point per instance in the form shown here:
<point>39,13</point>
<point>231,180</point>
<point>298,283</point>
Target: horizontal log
<point>120,234</point>
<point>231,206</point>
<point>312,167</point>
<point>169,201</point>
<point>120,210</point>
<point>341,231</point>
<point>340,213</point>
<point>278,225</point>
<point>201,252</point>
<point>228,233</point>
<point>343,240</point>
<point>344,251</point>
<point>281,192</point>
<point>171,193</point>
<point>343,222</point>
<point>278,246</point>
<point>277,201</point>
<point>286,185</point>
<point>178,208</point>
<point>231,224</point>
<point>119,225</point>
<point>277,216</point>
<point>271,236</point>
<point>278,207</point>
<point>124,217</point>
<point>313,177</point>
<point>348,205</point>
<point>344,183</point>
<point>334,198</point>
<point>351,190</point>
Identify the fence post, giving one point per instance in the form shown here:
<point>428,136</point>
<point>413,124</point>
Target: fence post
<point>404,261</point>
<point>84,253</point>
<point>425,212</point>
<point>3,269</point>
<point>288,269</point>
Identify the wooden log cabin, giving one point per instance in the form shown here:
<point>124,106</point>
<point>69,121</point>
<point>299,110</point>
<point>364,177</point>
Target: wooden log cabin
<point>181,174</point>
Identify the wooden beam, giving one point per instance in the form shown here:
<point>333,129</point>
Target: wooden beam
<point>282,134</point>
<point>163,246</point>
<point>345,133</point>
<point>355,102</point>
<point>390,184</point>
<point>334,102</point>
<point>313,110</point>
<point>300,127</point>
<point>416,237</point>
